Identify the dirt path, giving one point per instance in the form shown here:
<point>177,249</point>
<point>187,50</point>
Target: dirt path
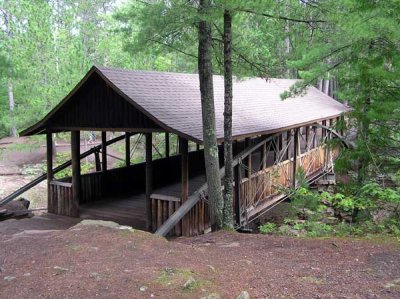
<point>88,262</point>
<point>20,164</point>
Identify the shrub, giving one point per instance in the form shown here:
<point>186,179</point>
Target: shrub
<point>267,228</point>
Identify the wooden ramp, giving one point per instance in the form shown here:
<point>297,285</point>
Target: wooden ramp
<point>125,210</point>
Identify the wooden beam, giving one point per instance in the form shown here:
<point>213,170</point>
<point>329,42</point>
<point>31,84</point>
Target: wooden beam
<point>295,154</point>
<point>76,173</point>
<point>248,158</point>
<point>166,144</point>
<point>104,151</point>
<point>49,143</point>
<point>185,183</point>
<point>149,179</point>
<point>237,178</point>
<point>127,149</point>
<point>263,156</point>
<point>97,161</point>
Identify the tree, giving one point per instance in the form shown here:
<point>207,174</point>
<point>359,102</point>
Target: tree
<point>359,47</point>
<point>208,116</point>
<point>228,157</point>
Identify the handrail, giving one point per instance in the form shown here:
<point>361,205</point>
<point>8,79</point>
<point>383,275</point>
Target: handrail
<point>43,177</point>
<point>196,196</point>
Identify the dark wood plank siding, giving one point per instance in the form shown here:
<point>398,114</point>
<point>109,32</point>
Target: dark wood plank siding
<point>96,105</point>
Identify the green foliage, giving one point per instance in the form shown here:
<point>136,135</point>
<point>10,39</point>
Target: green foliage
<point>62,157</point>
<point>267,228</point>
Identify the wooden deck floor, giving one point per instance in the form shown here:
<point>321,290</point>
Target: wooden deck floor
<point>131,210</point>
<point>125,210</point>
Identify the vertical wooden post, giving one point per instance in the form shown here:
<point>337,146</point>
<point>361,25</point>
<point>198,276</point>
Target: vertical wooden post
<point>127,149</point>
<point>97,160</point>
<point>342,123</point>
<point>185,183</point>
<point>307,136</point>
<point>323,130</point>
<point>237,178</point>
<point>76,173</point>
<point>263,156</point>
<point>103,151</point>
<point>149,179</point>
<point>166,144</point>
<point>288,137</point>
<point>49,143</point>
<point>295,153</point>
<point>280,146</point>
<point>197,146</point>
<point>248,158</point>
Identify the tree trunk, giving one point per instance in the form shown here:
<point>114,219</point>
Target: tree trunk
<point>228,182</point>
<point>208,117</point>
<point>11,103</point>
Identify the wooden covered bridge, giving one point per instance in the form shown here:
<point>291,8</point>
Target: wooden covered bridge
<point>273,139</point>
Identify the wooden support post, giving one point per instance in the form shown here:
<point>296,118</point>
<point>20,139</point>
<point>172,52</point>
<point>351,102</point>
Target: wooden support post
<point>263,156</point>
<point>49,143</point>
<point>197,146</point>
<point>185,183</point>
<point>103,151</point>
<point>248,158</point>
<point>295,153</point>
<point>323,130</point>
<point>149,179</point>
<point>76,173</point>
<point>166,144</point>
<point>97,161</point>
<point>342,123</point>
<point>307,137</point>
<point>127,149</point>
<point>288,137</point>
<point>237,178</point>
<point>280,146</point>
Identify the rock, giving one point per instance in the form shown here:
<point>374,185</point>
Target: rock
<point>190,283</point>
<point>212,268</point>
<point>243,295</point>
<point>230,245</point>
<point>212,296</point>
<point>27,274</point>
<point>104,223</point>
<point>329,211</point>
<point>143,288</point>
<point>60,270</point>
<point>330,220</point>
<point>9,278</point>
<point>95,276</point>
<point>393,284</point>
<point>380,215</point>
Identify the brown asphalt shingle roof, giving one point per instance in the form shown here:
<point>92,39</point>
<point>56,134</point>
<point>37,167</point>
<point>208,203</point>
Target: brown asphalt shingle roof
<point>174,99</point>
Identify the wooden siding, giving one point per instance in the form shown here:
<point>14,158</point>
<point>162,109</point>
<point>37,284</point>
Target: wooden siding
<point>97,105</point>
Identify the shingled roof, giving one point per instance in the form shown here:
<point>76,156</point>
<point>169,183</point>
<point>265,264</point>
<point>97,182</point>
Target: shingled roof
<point>172,101</point>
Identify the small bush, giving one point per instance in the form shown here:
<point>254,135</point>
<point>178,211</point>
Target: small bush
<point>267,228</point>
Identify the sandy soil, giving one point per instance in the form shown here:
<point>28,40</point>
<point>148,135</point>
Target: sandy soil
<point>101,262</point>
<point>20,164</point>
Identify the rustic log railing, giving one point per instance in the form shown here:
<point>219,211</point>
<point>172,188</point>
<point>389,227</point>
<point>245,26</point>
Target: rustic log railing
<point>268,183</point>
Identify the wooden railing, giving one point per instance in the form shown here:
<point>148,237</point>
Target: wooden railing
<point>195,222</point>
<point>270,182</point>
<point>61,199</point>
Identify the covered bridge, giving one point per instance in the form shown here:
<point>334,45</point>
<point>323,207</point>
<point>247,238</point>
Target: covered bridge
<point>273,139</point>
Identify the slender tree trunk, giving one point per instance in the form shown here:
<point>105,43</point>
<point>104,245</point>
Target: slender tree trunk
<point>11,103</point>
<point>228,181</point>
<point>208,117</point>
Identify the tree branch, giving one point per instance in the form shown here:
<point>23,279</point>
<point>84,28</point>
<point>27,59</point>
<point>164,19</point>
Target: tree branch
<point>171,47</point>
<point>280,17</point>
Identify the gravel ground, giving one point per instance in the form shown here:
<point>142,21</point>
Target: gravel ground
<point>101,262</point>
